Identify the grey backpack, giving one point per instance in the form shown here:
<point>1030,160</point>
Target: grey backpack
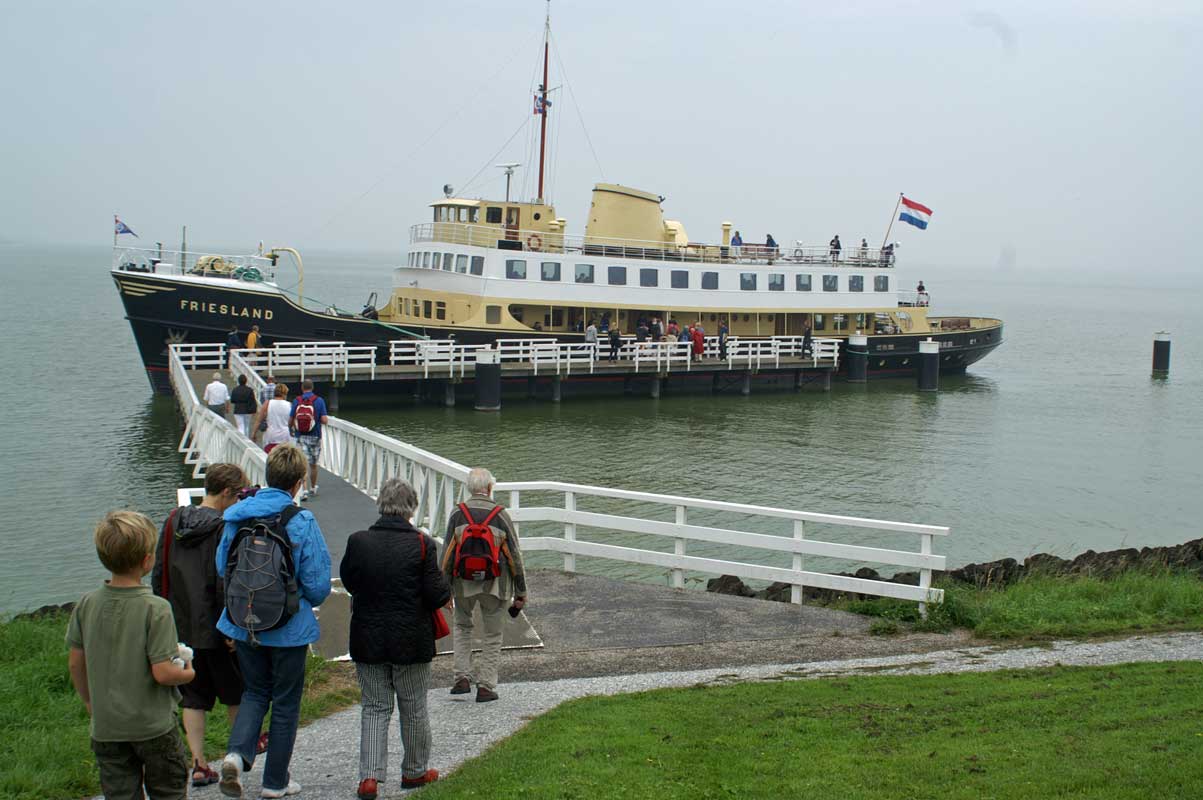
<point>260,578</point>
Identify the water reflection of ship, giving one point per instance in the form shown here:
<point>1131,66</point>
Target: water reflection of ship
<point>482,270</point>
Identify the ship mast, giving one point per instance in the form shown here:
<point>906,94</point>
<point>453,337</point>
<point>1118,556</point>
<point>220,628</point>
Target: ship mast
<point>542,105</point>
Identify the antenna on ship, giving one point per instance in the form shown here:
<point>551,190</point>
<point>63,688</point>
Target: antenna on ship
<point>541,102</point>
<point>509,173</point>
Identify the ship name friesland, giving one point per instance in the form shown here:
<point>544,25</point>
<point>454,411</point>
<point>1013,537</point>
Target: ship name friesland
<point>225,309</point>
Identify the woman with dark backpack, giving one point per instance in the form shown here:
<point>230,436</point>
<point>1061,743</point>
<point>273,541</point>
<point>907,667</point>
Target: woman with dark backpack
<point>392,573</point>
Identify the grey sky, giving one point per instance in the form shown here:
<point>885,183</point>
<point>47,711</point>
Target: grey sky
<point>1067,133</point>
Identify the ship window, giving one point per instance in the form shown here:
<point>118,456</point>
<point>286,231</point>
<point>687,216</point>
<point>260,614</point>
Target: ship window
<point>831,283</point>
<point>649,277</point>
<point>478,265</point>
<point>856,283</point>
<point>584,273</point>
<point>551,270</point>
<point>860,321</point>
<point>747,281</point>
<point>515,269</point>
<point>881,283</point>
<point>425,260</point>
<point>440,310</point>
<point>492,315</point>
<point>447,259</point>
<point>462,214</point>
<point>841,322</point>
<point>437,212</point>
<point>493,215</point>
<point>474,215</point>
<point>461,263</point>
<point>680,279</point>
<point>426,304</point>
<point>776,282</point>
<point>802,283</point>
<point>616,276</point>
<point>709,280</point>
<point>820,322</point>
<point>405,306</point>
<point>555,319</point>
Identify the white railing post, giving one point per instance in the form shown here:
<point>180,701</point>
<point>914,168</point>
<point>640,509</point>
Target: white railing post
<point>795,591</point>
<point>569,531</point>
<point>924,574</point>
<point>515,504</point>
<point>679,549</point>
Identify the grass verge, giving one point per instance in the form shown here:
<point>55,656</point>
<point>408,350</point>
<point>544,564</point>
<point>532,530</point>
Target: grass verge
<point>44,742</point>
<point>1132,731</point>
<point>1055,605</point>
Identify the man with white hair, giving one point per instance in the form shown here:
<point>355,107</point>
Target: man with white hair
<point>217,396</point>
<point>485,578</point>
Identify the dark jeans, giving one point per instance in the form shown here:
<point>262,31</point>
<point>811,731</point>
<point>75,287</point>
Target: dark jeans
<point>159,764</point>
<point>275,677</point>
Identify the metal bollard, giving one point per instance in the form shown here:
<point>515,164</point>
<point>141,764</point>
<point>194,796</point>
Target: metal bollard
<point>488,381</point>
<point>1161,352</point>
<point>928,371</point>
<point>857,353</point>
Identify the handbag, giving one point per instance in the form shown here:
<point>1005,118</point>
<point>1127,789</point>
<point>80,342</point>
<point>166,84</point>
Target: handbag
<point>441,628</point>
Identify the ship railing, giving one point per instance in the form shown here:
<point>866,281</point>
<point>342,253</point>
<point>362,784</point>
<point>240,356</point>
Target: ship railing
<point>669,519</point>
<point>544,243</point>
<point>209,438</point>
<point>910,299</point>
<point>314,359</point>
<point>245,362</point>
<point>156,261</point>
<point>663,355</point>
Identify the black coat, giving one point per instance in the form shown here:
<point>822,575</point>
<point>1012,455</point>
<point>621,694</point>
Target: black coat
<point>193,584</point>
<point>393,592</point>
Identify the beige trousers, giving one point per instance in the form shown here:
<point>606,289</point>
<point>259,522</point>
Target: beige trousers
<point>479,668</point>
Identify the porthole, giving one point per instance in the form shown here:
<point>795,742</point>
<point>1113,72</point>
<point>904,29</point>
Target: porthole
<point>538,215</point>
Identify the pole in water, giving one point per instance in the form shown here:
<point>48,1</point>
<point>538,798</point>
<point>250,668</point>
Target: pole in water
<point>1161,352</point>
<point>857,353</point>
<point>928,371</point>
<point>488,381</point>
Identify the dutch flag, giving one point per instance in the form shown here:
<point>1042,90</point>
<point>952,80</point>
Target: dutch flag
<point>914,213</point>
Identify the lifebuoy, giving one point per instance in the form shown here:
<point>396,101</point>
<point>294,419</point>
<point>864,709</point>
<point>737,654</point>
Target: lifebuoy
<point>533,242</point>
<point>798,253</point>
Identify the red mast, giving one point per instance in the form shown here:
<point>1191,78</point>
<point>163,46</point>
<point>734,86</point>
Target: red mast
<point>543,100</point>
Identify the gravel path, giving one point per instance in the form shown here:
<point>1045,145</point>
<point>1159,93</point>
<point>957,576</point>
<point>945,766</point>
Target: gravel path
<point>327,752</point>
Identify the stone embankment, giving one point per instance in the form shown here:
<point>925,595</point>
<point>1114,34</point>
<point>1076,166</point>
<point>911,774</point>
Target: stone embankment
<point>1187,557</point>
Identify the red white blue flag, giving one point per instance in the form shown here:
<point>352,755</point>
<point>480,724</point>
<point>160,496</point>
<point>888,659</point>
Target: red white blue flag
<point>120,227</point>
<point>541,105</point>
<point>916,214</point>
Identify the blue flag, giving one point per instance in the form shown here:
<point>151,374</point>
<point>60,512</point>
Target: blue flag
<point>121,227</point>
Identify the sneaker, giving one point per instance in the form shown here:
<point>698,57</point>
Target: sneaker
<point>485,695</point>
<point>292,788</point>
<point>429,776</point>
<point>367,789</point>
<point>231,774</point>
<point>462,686</point>
<point>304,496</point>
<point>313,491</point>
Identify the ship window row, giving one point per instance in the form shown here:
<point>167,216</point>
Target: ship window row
<point>450,262</point>
<point>425,309</point>
<point>649,277</point>
<point>456,214</point>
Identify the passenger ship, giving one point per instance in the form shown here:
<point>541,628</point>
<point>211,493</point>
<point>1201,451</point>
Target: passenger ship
<point>483,270</point>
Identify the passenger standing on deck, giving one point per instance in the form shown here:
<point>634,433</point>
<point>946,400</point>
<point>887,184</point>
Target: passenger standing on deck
<point>835,248</point>
<point>615,344</point>
<point>306,421</point>
<point>217,396</point>
<point>245,406</point>
<point>185,575</point>
<point>591,336</point>
<point>488,589</point>
<point>275,415</point>
<point>392,573</point>
<point>699,341</point>
<point>253,343</point>
<point>641,332</point>
<point>770,245</point>
<point>233,342</point>
<point>657,329</point>
<point>273,661</point>
<point>737,244</point>
<point>723,331</point>
<point>605,322</point>
<point>864,249</point>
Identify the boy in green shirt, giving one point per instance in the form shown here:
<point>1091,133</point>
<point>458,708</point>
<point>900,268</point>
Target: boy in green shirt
<point>122,641</point>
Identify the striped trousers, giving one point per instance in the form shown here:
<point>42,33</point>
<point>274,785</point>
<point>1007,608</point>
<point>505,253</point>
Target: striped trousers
<point>378,685</point>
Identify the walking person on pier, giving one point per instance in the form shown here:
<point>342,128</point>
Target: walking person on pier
<point>306,421</point>
<point>245,406</point>
<point>233,342</point>
<point>615,344</point>
<point>591,336</point>
<point>217,396</point>
<point>272,661</point>
<point>486,581</point>
<point>273,418</point>
<point>723,331</point>
<point>185,575</point>
<point>392,572</point>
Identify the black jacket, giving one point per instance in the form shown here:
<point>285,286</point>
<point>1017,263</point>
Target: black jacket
<point>393,592</point>
<point>193,586</point>
<point>243,399</point>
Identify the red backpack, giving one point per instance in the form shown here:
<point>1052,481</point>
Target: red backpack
<point>477,556</point>
<point>306,414</point>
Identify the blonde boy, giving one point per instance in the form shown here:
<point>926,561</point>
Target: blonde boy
<point>122,640</point>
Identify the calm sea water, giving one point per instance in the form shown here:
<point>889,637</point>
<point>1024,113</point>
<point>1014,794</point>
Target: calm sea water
<point>1059,441</point>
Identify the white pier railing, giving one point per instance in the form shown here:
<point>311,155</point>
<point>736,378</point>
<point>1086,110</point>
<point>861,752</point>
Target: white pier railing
<point>365,458</point>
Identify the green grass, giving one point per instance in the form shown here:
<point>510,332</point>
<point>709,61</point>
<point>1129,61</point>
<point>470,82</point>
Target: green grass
<point>1046,605</point>
<point>1133,731</point>
<point>44,742</point>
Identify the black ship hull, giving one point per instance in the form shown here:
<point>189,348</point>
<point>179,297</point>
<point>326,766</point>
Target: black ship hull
<point>163,311</point>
